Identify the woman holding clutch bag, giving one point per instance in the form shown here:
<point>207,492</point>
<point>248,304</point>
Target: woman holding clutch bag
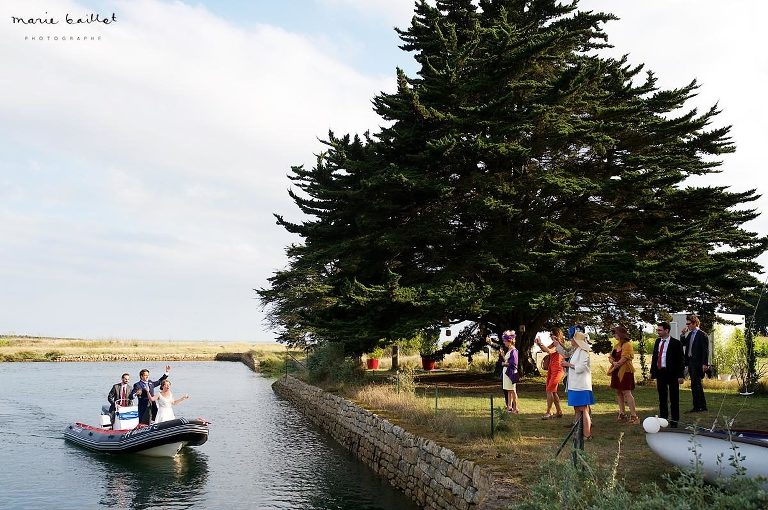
<point>623,374</point>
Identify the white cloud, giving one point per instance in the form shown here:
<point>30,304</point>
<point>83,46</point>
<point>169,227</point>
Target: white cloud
<point>162,152</point>
<point>139,173</point>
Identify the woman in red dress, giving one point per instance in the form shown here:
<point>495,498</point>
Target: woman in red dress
<point>623,374</point>
<point>555,372</point>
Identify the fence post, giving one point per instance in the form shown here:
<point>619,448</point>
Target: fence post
<point>435,398</point>
<point>492,428</point>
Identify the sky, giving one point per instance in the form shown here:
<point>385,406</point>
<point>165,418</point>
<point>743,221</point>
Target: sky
<point>139,172</point>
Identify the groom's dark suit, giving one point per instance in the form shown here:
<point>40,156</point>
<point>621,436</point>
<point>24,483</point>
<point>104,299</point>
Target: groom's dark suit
<point>147,411</point>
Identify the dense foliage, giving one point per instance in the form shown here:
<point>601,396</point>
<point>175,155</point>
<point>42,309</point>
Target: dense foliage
<point>521,179</point>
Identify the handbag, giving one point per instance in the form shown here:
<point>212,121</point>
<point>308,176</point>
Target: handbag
<point>545,362</point>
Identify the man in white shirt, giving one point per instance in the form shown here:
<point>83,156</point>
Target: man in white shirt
<point>667,369</point>
<point>696,344</point>
<point>144,389</point>
<point>121,394</point>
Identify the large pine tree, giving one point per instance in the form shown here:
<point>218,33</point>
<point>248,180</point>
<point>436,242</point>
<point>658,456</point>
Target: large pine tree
<point>522,179</point>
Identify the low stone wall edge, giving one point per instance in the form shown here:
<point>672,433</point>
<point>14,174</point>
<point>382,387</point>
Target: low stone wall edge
<point>433,476</point>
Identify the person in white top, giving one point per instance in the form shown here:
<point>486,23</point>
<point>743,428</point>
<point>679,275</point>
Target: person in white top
<point>165,402</point>
<point>580,395</point>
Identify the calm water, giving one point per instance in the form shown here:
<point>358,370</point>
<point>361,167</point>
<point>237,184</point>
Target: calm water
<point>261,452</point>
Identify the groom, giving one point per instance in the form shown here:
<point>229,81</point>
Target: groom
<point>144,389</point>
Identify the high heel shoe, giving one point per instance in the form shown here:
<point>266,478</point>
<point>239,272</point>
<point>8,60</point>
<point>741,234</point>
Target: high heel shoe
<point>621,417</point>
<point>634,420</point>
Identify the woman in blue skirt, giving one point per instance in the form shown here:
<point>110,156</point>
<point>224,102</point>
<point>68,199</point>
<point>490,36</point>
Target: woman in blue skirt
<point>580,395</point>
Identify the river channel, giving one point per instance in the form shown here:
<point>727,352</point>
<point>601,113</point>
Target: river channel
<point>261,454</point>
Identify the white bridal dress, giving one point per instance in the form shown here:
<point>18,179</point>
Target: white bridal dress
<point>164,408</point>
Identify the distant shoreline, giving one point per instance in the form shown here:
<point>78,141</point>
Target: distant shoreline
<point>45,349</point>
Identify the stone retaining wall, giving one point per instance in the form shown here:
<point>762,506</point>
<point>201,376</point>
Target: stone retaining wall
<point>243,357</point>
<point>431,475</point>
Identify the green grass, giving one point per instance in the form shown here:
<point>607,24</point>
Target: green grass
<point>462,421</point>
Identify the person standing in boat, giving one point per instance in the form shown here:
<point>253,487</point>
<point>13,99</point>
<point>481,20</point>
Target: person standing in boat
<point>696,344</point>
<point>144,390</point>
<point>165,402</point>
<point>667,368</point>
<point>120,395</point>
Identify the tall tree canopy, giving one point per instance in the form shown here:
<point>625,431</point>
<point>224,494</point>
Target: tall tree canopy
<point>521,179</point>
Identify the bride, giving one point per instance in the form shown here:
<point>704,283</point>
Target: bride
<point>165,402</point>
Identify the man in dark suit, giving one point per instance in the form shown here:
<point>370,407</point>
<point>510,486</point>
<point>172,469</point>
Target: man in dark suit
<point>120,394</point>
<point>667,369</point>
<point>145,390</point>
<point>696,344</point>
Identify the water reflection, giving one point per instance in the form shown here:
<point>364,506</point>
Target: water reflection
<point>138,482</point>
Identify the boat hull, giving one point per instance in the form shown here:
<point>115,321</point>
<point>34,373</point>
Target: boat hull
<point>715,452</point>
<point>163,439</point>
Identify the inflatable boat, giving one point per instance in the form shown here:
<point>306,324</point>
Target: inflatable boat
<point>719,454</point>
<point>163,439</point>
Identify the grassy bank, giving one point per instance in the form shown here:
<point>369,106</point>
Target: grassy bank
<point>453,408</point>
<point>18,348</point>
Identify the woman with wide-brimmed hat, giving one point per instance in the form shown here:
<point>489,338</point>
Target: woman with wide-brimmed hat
<point>623,374</point>
<point>580,395</point>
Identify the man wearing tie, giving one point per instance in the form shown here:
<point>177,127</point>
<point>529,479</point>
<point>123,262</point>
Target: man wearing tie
<point>696,345</point>
<point>667,369</point>
<point>144,389</point>
<point>120,394</point>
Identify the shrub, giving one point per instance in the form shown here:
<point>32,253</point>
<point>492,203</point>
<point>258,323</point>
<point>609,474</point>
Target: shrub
<point>454,360</point>
<point>26,356</point>
<point>595,487</point>
<point>272,366</point>
<point>761,346</point>
<point>329,364</point>
<point>404,379</point>
<point>725,353</point>
<point>53,355</point>
<point>482,365</point>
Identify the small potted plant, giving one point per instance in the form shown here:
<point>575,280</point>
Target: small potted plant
<point>373,358</point>
<point>427,349</point>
